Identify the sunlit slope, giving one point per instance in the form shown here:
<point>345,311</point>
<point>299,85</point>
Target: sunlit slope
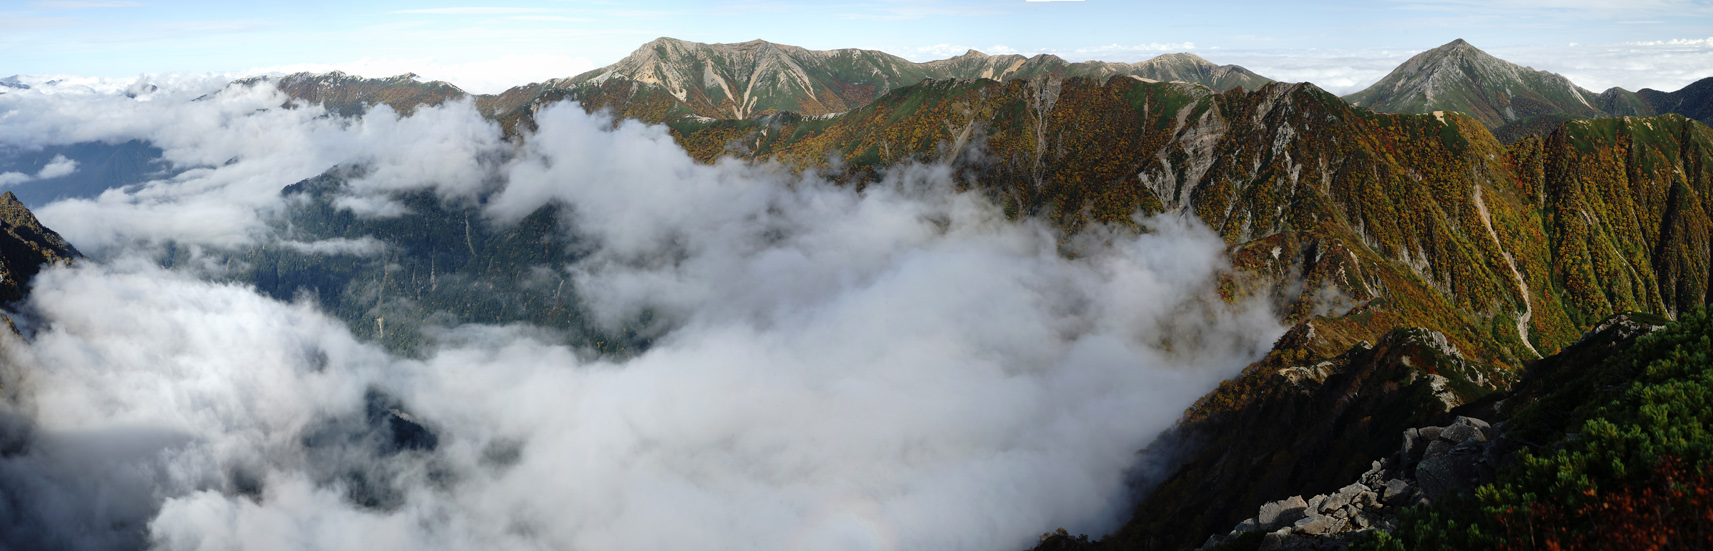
<point>1356,222</point>
<point>678,79</point>
<point>1461,77</point>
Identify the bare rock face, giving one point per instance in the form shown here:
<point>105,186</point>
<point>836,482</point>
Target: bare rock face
<point>1431,463</point>
<point>1327,521</point>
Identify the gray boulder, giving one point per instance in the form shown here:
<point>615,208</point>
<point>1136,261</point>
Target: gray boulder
<point>1397,492</point>
<point>1458,432</point>
<point>1281,513</point>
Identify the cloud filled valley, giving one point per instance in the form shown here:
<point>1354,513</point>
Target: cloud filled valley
<point>814,366</point>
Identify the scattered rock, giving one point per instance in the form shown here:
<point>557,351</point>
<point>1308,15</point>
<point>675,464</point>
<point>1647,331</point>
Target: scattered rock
<point>1432,462</point>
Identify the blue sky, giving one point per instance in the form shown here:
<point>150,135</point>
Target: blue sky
<point>484,46</point>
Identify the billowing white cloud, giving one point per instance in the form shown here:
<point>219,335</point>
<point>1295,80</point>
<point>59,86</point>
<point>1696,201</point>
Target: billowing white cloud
<point>366,246</point>
<point>1666,65</point>
<point>897,368</point>
<point>236,150</point>
<point>59,166</point>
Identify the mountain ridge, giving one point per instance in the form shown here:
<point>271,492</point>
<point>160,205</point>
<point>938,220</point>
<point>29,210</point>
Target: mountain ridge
<point>679,80</point>
<point>1460,77</point>
<point>669,80</point>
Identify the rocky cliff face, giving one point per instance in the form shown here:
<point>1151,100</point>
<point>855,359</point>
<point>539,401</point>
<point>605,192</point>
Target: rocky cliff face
<point>749,78</point>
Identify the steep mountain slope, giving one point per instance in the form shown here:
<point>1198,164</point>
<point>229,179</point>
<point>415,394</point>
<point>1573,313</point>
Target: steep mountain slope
<point>748,78</point>
<point>25,248</point>
<point>1612,451</point>
<point>1619,102</point>
<point>1361,206</point>
<point>1460,77</point>
<point>1694,101</point>
<point>737,81</point>
<point>1422,260</point>
<point>1430,211</point>
<point>1353,223</point>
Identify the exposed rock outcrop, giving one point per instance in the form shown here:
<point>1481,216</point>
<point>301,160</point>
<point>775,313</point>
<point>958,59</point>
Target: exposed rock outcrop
<point>25,248</point>
<point>1432,462</point>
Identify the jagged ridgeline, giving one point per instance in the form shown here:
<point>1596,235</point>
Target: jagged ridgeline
<point>670,80</point>
<point>1422,260</point>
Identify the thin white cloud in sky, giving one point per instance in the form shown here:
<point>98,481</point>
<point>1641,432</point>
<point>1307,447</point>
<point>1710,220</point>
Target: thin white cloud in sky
<point>59,166</point>
<point>83,5</point>
<point>167,37</point>
<point>474,10</point>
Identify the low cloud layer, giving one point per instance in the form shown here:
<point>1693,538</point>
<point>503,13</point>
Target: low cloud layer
<point>233,149</point>
<point>55,168</point>
<point>1665,65</point>
<point>897,368</point>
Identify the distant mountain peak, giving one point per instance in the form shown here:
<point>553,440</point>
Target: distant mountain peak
<point>1460,77</point>
<point>672,79</point>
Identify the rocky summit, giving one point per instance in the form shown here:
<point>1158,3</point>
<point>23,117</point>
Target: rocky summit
<point>1460,77</point>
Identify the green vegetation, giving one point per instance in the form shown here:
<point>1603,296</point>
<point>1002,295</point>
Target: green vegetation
<point>1631,466</point>
<point>439,265</point>
<point>1352,223</point>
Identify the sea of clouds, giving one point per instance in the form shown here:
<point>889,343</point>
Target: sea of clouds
<point>900,367</point>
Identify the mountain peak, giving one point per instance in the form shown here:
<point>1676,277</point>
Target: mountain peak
<point>1460,77</point>
<point>744,79</point>
<point>1180,58</point>
<point>1459,47</point>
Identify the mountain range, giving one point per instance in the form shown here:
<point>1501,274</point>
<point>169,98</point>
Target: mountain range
<point>1423,261</point>
<point>1514,100</point>
<point>1439,244</point>
<point>669,80</point>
